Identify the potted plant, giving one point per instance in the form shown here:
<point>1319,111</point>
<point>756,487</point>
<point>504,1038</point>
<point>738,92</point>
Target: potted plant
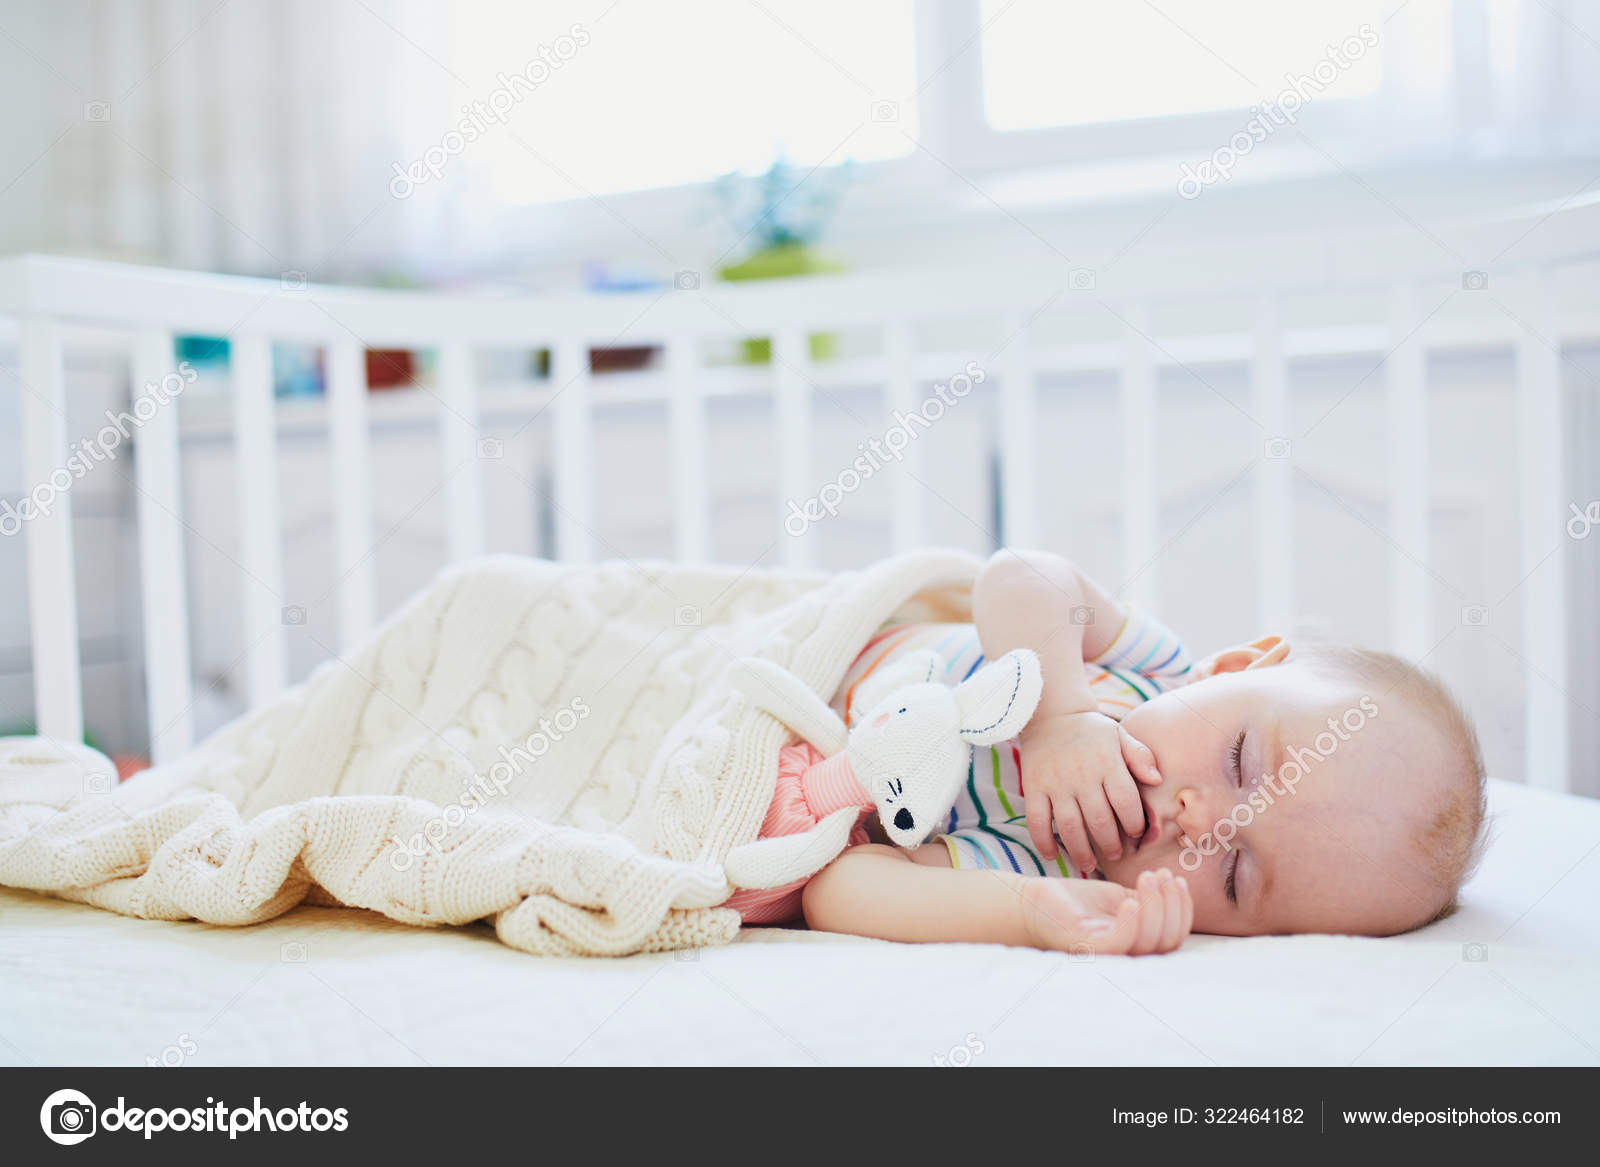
<point>780,215</point>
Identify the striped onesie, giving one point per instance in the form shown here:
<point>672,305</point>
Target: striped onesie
<point>987,827</point>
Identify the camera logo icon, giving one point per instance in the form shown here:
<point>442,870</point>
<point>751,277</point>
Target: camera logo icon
<point>1081,954</point>
<point>97,111</point>
<point>294,952</point>
<point>1277,449</point>
<point>293,281</point>
<point>1081,279</point>
<point>1474,281</point>
<point>886,111</point>
<point>1475,953</point>
<point>687,616</point>
<point>68,1117</point>
<point>686,955</point>
<point>490,449</point>
<point>1082,614</point>
<point>98,783</point>
<point>294,614</point>
<point>1475,615</point>
<point>686,281</point>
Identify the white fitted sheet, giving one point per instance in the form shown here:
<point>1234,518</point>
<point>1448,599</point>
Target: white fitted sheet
<point>82,986</point>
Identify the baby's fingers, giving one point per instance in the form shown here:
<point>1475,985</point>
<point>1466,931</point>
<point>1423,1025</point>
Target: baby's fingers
<point>1114,934</point>
<point>1101,821</point>
<point>1180,911</point>
<point>1040,830</point>
<point>1123,795</point>
<point>1139,758</point>
<point>1152,915</point>
<point>1069,825</point>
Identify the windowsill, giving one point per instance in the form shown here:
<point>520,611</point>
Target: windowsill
<point>917,211</point>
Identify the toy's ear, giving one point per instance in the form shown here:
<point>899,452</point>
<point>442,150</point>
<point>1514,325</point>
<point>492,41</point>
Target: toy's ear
<point>997,700</point>
<point>914,668</point>
<point>791,701</point>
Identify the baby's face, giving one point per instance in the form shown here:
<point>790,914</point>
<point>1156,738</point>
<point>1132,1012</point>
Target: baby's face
<point>1288,802</point>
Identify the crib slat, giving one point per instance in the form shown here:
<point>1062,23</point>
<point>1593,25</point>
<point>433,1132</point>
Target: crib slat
<point>162,568</point>
<point>1019,439</point>
<point>1543,593</point>
<point>52,578</point>
<point>687,414</point>
<point>1274,502</point>
<point>791,365</point>
<point>1408,476</point>
<point>354,561</point>
<point>261,553</point>
<point>573,450</point>
<point>1140,490</point>
<point>907,513</point>
<point>460,434</point>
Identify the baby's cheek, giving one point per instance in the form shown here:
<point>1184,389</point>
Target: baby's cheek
<point>1212,912</point>
<point>1135,863</point>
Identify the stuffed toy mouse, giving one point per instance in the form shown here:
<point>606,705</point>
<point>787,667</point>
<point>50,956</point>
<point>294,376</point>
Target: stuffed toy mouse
<point>909,752</point>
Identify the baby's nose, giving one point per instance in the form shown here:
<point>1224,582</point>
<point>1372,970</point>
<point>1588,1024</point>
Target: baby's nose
<point>1193,815</point>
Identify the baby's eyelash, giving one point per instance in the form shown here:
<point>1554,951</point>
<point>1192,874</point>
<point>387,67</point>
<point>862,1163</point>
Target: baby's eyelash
<point>1230,886</point>
<point>1236,754</point>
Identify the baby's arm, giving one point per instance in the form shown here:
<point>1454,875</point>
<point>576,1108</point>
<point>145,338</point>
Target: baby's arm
<point>1081,765</point>
<point>890,894</point>
<point>1033,599</point>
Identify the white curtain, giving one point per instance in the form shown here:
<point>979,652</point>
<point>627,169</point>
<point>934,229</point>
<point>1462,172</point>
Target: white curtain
<point>244,136</point>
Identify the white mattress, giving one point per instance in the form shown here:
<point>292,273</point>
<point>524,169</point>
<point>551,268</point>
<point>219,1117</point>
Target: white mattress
<point>78,985</point>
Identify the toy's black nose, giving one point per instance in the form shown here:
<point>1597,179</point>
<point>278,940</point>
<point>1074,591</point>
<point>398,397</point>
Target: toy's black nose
<point>903,820</point>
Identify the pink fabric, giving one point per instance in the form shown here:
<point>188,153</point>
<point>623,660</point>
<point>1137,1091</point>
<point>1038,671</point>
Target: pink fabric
<point>810,787</point>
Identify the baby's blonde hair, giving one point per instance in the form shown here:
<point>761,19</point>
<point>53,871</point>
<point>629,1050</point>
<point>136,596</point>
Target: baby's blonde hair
<point>1453,841</point>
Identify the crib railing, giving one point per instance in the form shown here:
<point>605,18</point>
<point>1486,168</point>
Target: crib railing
<point>50,298</point>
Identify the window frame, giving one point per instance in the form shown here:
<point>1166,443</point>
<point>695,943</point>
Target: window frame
<point>949,45</point>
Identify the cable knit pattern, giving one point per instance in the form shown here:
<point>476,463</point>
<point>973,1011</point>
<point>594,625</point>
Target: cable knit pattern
<point>551,748</point>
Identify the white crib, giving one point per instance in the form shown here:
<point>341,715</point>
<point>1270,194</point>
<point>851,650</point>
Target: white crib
<point>54,300</point>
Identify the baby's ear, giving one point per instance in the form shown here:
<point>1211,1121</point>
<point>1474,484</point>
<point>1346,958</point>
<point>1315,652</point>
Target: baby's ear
<point>1258,654</point>
<point>996,701</point>
<point>914,668</point>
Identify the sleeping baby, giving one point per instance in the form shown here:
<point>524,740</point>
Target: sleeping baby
<point>1269,788</point>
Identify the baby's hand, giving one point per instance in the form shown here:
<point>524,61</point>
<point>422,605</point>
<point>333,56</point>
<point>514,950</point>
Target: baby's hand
<point>1092,916</point>
<point>1079,772</point>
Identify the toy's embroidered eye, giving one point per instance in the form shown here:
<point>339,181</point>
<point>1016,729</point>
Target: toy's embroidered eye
<point>902,709</point>
<point>903,820</point>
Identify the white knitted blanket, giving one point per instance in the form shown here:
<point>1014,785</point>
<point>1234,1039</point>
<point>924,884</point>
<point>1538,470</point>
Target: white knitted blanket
<point>555,749</point>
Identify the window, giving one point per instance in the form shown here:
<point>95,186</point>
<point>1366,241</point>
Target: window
<point>731,84</point>
<point>1005,87</point>
<point>1073,62</point>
